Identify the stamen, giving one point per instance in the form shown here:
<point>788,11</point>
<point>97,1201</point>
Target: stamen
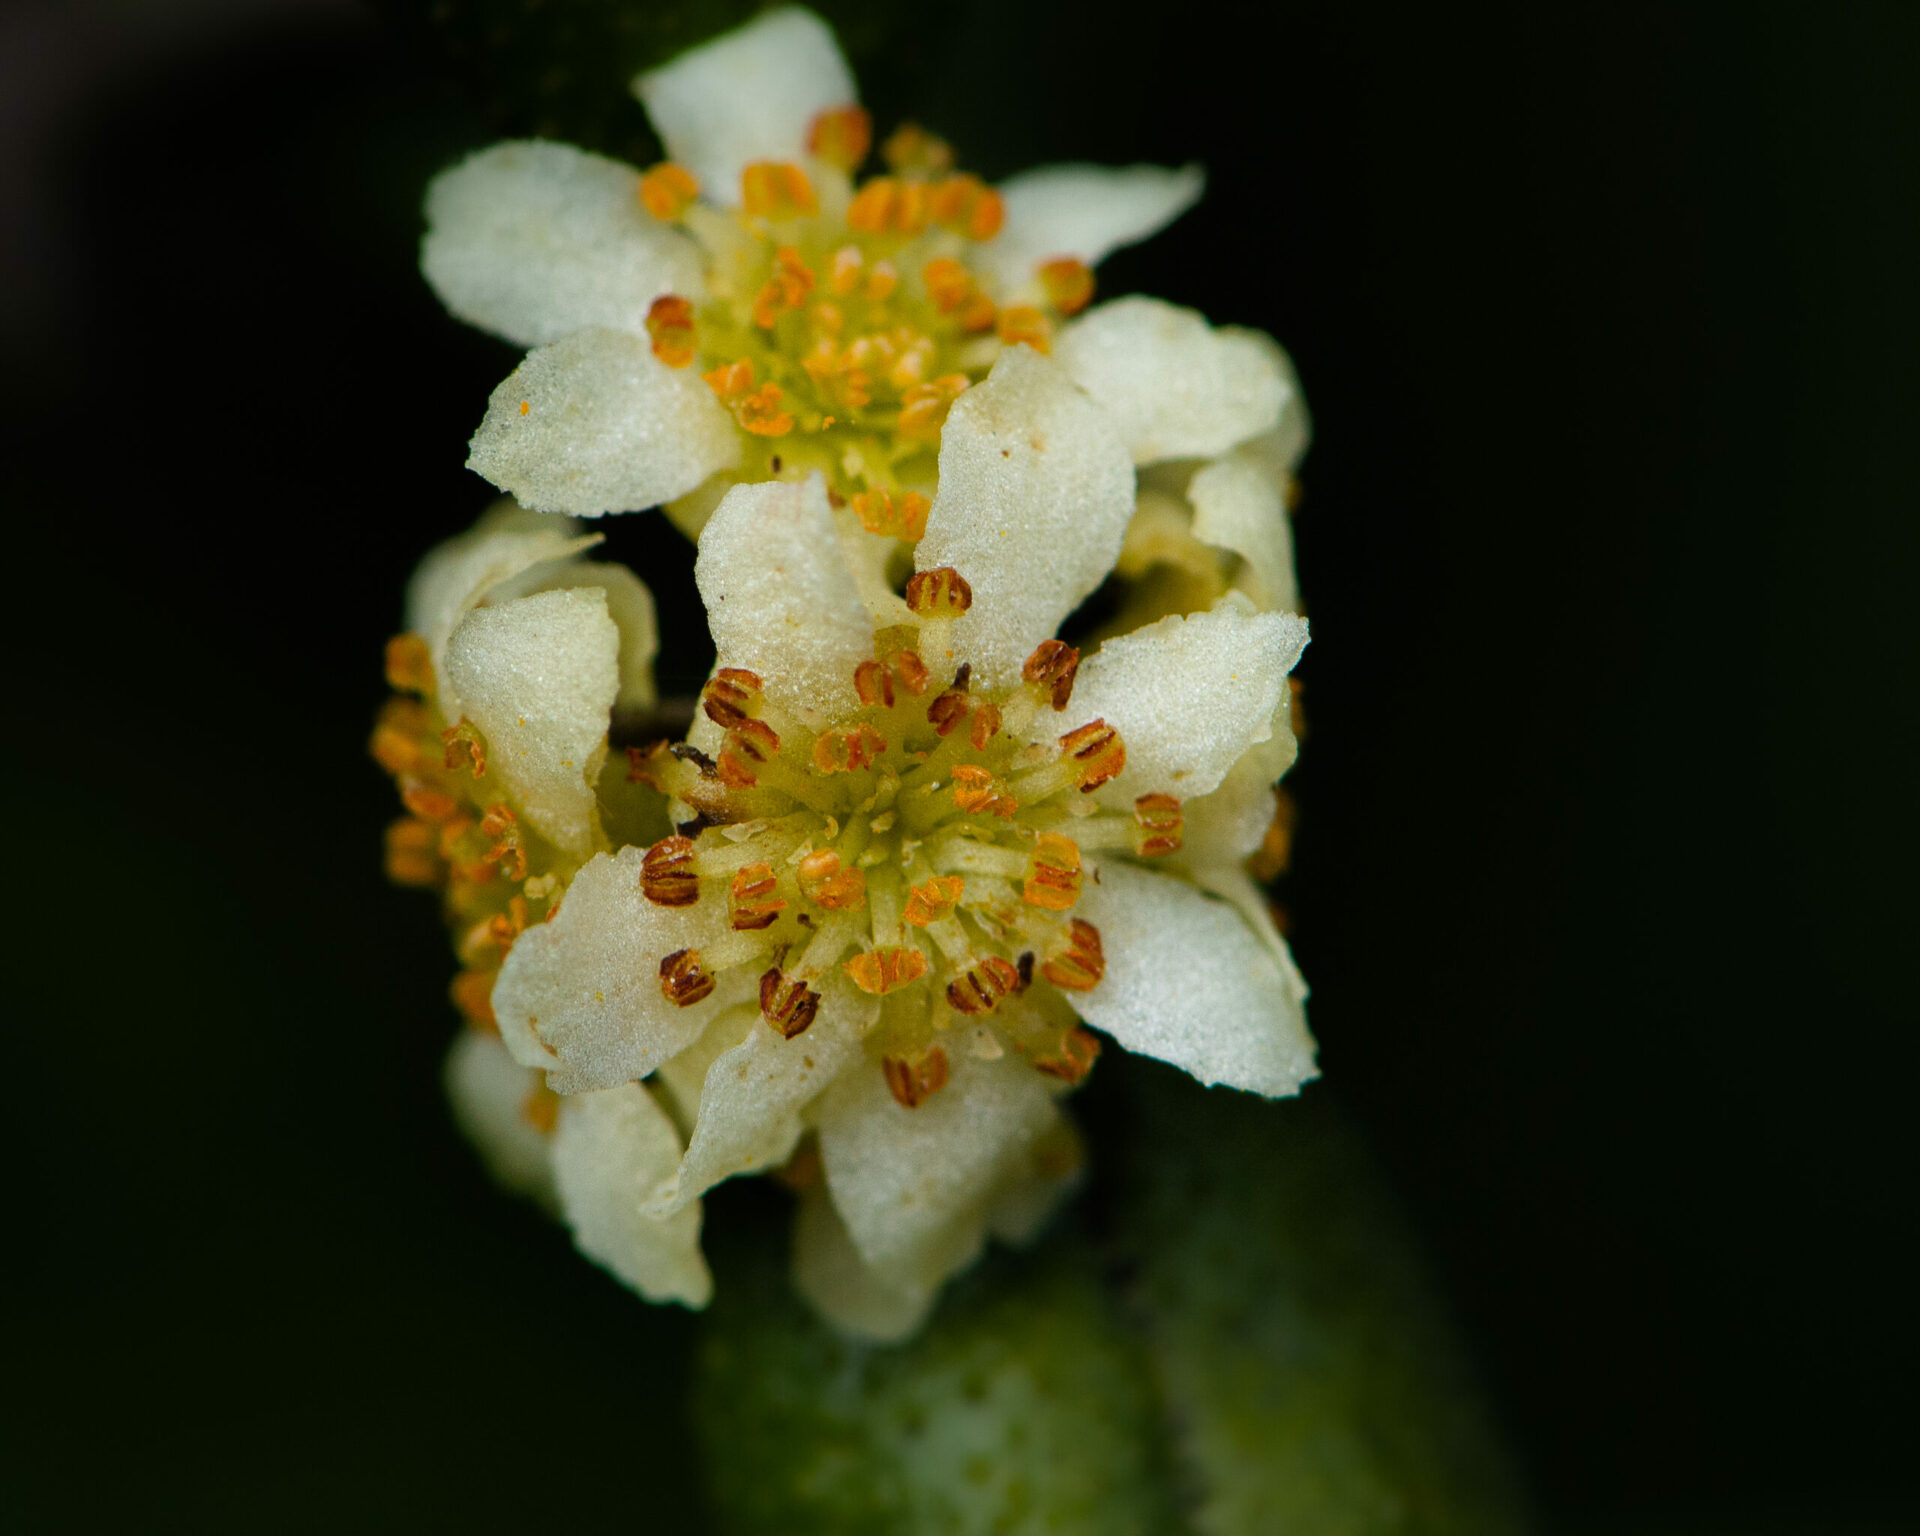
<point>500,824</point>
<point>884,970</point>
<point>968,206</point>
<point>1160,820</point>
<point>986,725</point>
<point>911,151</point>
<point>749,746</point>
<point>777,189</point>
<point>1053,878</point>
<point>400,736</point>
<point>949,284</point>
<point>952,706</point>
<point>942,593</point>
<point>730,698</point>
<point>977,792</point>
<point>874,684</point>
<point>1079,967</point>
<point>905,518</point>
<point>670,324</point>
<point>429,804</point>
<point>929,903</point>
<point>682,980</point>
<point>912,1080</point>
<point>982,985</point>
<point>1050,671</point>
<point>760,412</point>
<point>886,204</point>
<point>668,876</point>
<point>848,750</point>
<point>1068,282</point>
<point>1019,323</point>
<point>841,136</point>
<point>410,664</point>
<point>789,1006</point>
<point>825,882</point>
<point>1093,754</point>
<point>541,1109</point>
<point>411,857</point>
<point>924,407</point>
<point>464,740</point>
<point>1079,1049</point>
<point>788,288</point>
<point>668,190</point>
<point>472,994</point>
<point>730,381</point>
<point>752,902</point>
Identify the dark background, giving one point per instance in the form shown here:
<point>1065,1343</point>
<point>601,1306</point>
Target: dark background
<point>1608,319</point>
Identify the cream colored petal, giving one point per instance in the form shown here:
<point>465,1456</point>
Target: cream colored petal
<point>596,423</point>
<point>1232,884</point>
<point>538,676</point>
<point>1188,695</point>
<point>489,1092</point>
<point>1175,387</point>
<point>679,1080</point>
<point>1281,449</point>
<point>610,1152</point>
<point>580,995</point>
<point>1187,980</point>
<point>914,1185</point>
<point>1053,1168</point>
<point>629,604</point>
<point>781,599</point>
<point>534,240</point>
<point>829,1272</point>
<point>1239,504</point>
<point>1224,827</point>
<point>751,1100</point>
<point>748,95</point>
<point>1035,493</point>
<point>1088,211</point>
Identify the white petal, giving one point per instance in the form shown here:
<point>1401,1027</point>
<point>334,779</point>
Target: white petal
<point>679,1079</point>
<point>629,605</point>
<point>1035,493</point>
<point>840,1285</point>
<point>580,995</point>
<point>533,240</point>
<point>1187,980</point>
<point>1175,387</point>
<point>914,1185</point>
<point>610,1152</point>
<point>538,676</point>
<point>1053,1168</point>
<point>781,599</point>
<point>1231,883</point>
<point>489,1091</point>
<point>1188,695</point>
<point>596,423</point>
<point>1281,449</point>
<point>1088,211</point>
<point>1239,504</point>
<point>1224,827</point>
<point>751,1099</point>
<point>748,95</point>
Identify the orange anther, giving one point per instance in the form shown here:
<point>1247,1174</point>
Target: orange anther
<point>472,994</point>
<point>979,988</point>
<point>1068,282</point>
<point>670,324</point>
<point>888,204</point>
<point>978,315</point>
<point>910,670</point>
<point>668,190</point>
<point>936,899</point>
<point>1078,967</point>
<point>752,902</point>
<point>504,927</point>
<point>428,803</point>
<point>985,726</point>
<point>1023,323</point>
<point>1094,753</point>
<point>1053,878</point>
<point>464,741</point>
<point>760,412</point>
<point>1269,861</point>
<point>777,189</point>
<point>747,749</point>
<point>825,882</point>
<point>968,206</point>
<point>902,517</point>
<point>949,284</point>
<point>848,750</point>
<point>924,407</point>
<point>411,855</point>
<point>977,792</point>
<point>874,684</point>
<point>1159,821</point>
<point>843,270</point>
<point>841,136</point>
<point>410,664</point>
<point>1079,1049</point>
<point>911,150</point>
<point>912,1080</point>
<point>731,695</point>
<point>1050,671</point>
<point>789,1006</point>
<point>882,279</point>
<point>668,877</point>
<point>788,288</point>
<point>508,850</point>
<point>400,738</point>
<point>683,981</point>
<point>541,1109</point>
<point>880,971</point>
<point>941,593</point>
<point>731,380</point>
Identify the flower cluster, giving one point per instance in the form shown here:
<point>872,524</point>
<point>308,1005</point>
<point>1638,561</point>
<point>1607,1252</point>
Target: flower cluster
<point>861,924</point>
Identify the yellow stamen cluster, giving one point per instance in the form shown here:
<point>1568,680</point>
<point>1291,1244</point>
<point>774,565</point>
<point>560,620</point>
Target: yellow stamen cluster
<point>928,846</point>
<point>841,319</point>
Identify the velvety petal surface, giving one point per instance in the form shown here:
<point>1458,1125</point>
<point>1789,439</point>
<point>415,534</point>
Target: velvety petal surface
<point>1240,504</point>
<point>489,1092</point>
<point>1088,211</point>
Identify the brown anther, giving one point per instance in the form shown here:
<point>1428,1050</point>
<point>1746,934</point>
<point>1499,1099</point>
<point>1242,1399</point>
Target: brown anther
<point>464,741</point>
<point>911,671</point>
<point>949,709</point>
<point>977,792</point>
<point>841,136</point>
<point>979,988</point>
<point>752,900</point>
<point>761,414</point>
<point>730,381</point>
<point>646,765</point>
<point>912,151</point>
<point>683,981</point>
<point>1160,820</point>
<point>668,190</point>
<point>670,325</point>
<point>929,903</point>
<point>668,877</point>
<point>1025,964</point>
<point>472,994</point>
<point>508,851</point>
<point>1078,967</point>
<point>985,725</point>
<point>1079,1050</point>
<point>825,882</point>
<point>902,517</point>
<point>410,664</point>
<point>730,697</point>
<point>949,284</point>
<point>968,206</point>
<point>912,1080</point>
<point>874,684</point>
<point>789,1006</point>
<point>1053,878</point>
<point>924,407</point>
<point>1019,323</point>
<point>1068,282</point>
<point>849,750</point>
<point>428,803</point>
<point>941,593</point>
<point>1051,669</point>
<point>1094,753</point>
<point>777,189</point>
<point>541,1109</point>
<point>880,971</point>
<point>411,855</point>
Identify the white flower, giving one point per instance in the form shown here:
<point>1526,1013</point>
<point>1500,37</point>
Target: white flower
<point>745,311</point>
<point>922,841</point>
